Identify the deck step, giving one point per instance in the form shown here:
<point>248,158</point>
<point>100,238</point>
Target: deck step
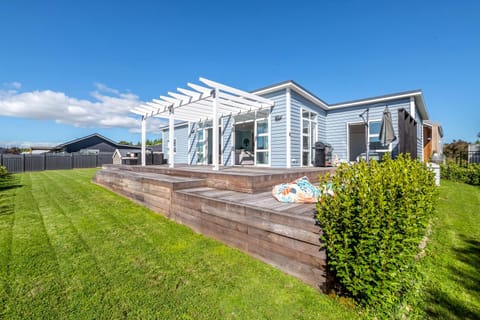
<point>149,189</point>
<point>287,241</point>
<point>251,180</point>
<point>283,235</point>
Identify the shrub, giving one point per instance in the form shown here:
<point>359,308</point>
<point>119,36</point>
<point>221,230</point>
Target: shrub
<point>3,172</point>
<point>373,225</point>
<point>468,174</point>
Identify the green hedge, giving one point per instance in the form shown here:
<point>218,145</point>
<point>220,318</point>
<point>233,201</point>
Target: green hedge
<point>373,224</point>
<point>468,174</point>
<point>3,172</point>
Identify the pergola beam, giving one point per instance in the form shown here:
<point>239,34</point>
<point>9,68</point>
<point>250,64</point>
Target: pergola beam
<point>203,103</point>
<point>238,92</point>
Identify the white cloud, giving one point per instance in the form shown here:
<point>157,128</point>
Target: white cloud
<point>12,85</point>
<point>109,108</point>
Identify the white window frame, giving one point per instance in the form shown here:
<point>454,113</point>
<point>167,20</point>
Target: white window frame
<point>268,135</point>
<point>203,146</point>
<point>174,145</point>
<point>311,154</point>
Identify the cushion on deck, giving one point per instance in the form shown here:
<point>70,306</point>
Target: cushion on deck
<point>298,191</point>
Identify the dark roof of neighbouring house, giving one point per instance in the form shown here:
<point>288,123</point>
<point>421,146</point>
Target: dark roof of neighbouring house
<point>63,145</point>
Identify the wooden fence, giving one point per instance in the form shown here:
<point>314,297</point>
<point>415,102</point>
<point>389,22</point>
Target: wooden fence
<point>53,161</point>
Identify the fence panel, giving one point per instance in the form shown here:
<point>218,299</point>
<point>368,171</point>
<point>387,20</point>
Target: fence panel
<point>58,161</point>
<point>104,158</point>
<point>474,156</point>
<point>84,160</point>
<point>61,161</point>
<point>13,162</point>
<point>34,162</point>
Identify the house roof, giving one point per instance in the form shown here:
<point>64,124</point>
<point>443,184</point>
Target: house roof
<point>296,87</point>
<point>63,145</point>
<point>430,124</point>
<point>416,94</point>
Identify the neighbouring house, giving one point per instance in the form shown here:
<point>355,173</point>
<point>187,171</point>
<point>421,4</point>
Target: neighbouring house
<point>474,153</point>
<point>283,134</point>
<point>91,144</point>
<point>432,139</point>
<point>38,150</point>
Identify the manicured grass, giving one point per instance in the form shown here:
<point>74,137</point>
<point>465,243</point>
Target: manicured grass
<point>451,269</point>
<point>71,249</point>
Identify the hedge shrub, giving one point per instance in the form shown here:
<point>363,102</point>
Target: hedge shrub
<point>373,225</point>
<point>469,174</point>
<point>3,172</point>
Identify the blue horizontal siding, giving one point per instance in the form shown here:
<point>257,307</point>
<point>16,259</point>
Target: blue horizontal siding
<point>181,136</point>
<point>419,119</point>
<point>337,123</point>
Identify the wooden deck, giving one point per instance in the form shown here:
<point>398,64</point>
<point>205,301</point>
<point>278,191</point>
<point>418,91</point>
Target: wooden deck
<point>232,206</point>
<point>243,179</point>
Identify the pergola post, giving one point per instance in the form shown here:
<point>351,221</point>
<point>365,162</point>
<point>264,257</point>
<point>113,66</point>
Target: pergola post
<point>171,137</point>
<point>144,138</point>
<point>215,139</point>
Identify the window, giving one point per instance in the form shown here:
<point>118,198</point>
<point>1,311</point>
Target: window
<point>262,138</point>
<point>309,136</point>
<point>89,151</point>
<point>374,137</point>
<point>200,144</point>
<point>174,145</point>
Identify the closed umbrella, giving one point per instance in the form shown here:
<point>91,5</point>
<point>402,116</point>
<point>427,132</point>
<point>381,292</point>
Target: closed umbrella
<point>387,134</point>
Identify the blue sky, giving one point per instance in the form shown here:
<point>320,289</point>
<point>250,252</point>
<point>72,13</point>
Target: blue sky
<point>71,68</point>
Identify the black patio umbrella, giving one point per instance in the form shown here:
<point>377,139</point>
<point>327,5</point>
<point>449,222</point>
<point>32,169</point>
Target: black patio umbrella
<point>387,133</point>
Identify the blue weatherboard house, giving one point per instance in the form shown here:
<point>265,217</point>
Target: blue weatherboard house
<point>278,126</point>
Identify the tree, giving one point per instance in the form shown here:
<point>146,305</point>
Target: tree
<point>13,150</point>
<point>127,143</point>
<point>149,142</point>
<point>456,149</point>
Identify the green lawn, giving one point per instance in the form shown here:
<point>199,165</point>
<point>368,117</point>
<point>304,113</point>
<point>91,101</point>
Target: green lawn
<point>451,269</point>
<point>71,249</point>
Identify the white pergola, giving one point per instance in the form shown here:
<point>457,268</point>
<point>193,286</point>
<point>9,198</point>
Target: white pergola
<point>210,101</point>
